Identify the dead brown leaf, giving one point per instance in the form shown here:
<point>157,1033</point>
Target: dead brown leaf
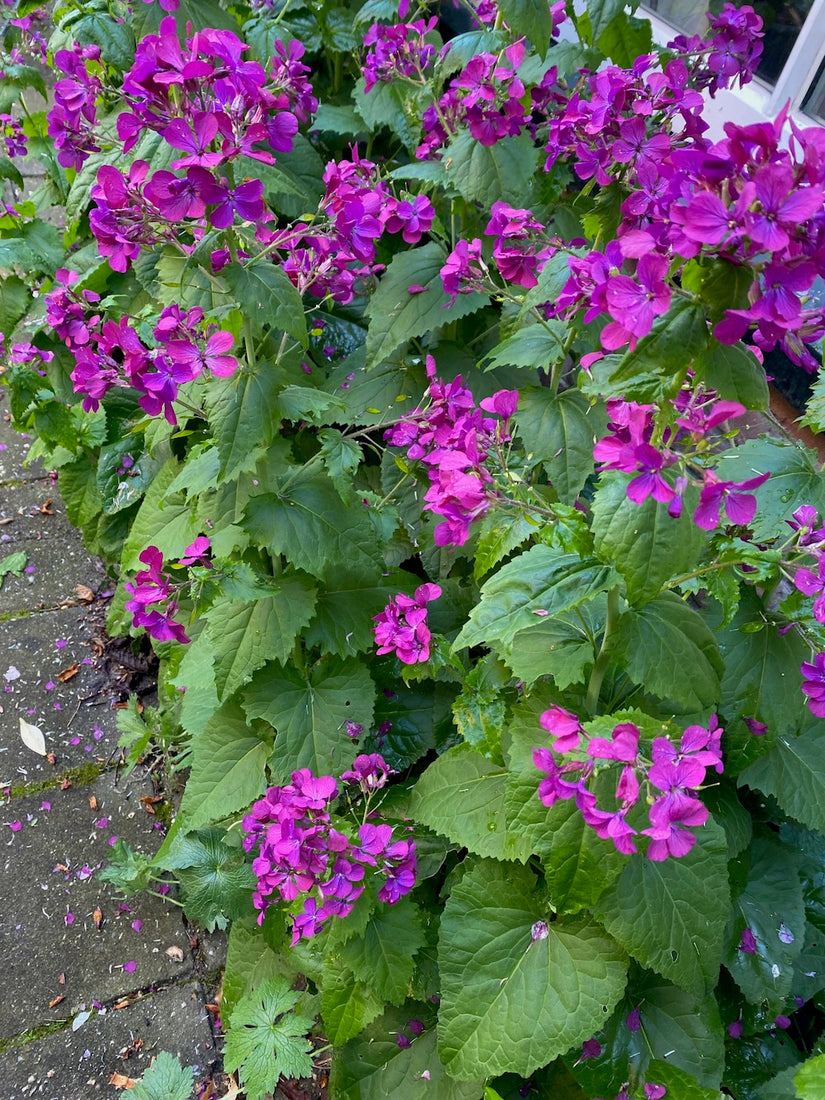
<point>120,1081</point>
<point>92,802</point>
<point>55,1001</point>
<point>69,672</point>
<point>45,508</point>
<point>84,593</point>
<point>97,917</point>
<point>175,953</point>
<point>65,784</point>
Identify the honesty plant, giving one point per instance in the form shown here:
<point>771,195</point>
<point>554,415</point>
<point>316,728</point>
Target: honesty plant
<point>400,369</point>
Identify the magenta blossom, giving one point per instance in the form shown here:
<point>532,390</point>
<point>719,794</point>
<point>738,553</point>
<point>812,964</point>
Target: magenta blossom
<point>739,504</point>
<point>401,628</point>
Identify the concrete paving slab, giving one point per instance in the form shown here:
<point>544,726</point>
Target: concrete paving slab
<point>14,449</point>
<point>51,845</point>
<point>57,560</point>
<point>76,1065</point>
<point>76,720</point>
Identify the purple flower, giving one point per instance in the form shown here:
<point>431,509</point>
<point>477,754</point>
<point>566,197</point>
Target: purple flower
<point>813,684</point>
<point>401,628</point>
<point>813,584</point>
<point>565,728</point>
<point>747,942</point>
<point>370,772</point>
<point>623,744</point>
<point>739,505</point>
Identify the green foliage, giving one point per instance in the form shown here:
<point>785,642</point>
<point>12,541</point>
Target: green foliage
<point>166,1079</point>
<point>671,915</point>
<point>501,976</point>
<point>318,469</point>
<point>267,1039</point>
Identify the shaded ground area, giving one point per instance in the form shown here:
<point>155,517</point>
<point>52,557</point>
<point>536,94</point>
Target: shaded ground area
<point>93,986</point>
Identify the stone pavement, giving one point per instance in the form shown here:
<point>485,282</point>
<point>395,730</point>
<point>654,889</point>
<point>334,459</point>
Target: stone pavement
<point>93,985</point>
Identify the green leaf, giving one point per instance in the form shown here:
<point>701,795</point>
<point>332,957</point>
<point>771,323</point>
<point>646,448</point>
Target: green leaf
<point>266,297</point>
<point>243,413</point>
<point>599,14</point>
<point>14,301</point>
<point>196,676</point>
<point>114,37</point>
<point>791,772</point>
<point>372,1066</point>
<point>121,489</point>
<point>562,647</point>
<point>228,769</point>
<point>810,1078</point>
<point>489,173</point>
<point>625,38</point>
<point>560,431</point>
<point>164,520</point>
<point>13,564</point>
<point>247,635</point>
<point>166,1079</point>
<point>536,345</point>
<point>768,900</point>
<point>266,1039</point>
<point>335,119</point>
<point>676,1029</point>
<point>383,957</point>
<point>78,487</point>
<point>389,103</point>
<point>498,536</point>
<point>341,457</point>
<point>310,711</point>
<point>531,18</point>
<point>347,1004</point>
<point>127,870</point>
<point>250,959</point>
<point>795,477</point>
<point>313,528</point>
<point>663,638</point>
<point>346,604</point>
<point>396,316</point>
<point>509,1002</point>
<point>677,339</point>
<point>679,1083</point>
<point>461,796</point>
<point>761,677</point>
<point>578,865</point>
<point>736,375</point>
<point>671,915</point>
<point>540,580</point>
<point>216,880</point>
<point>304,169</point>
<point>647,546</point>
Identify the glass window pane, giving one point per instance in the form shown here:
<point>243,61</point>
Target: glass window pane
<point>814,102</point>
<point>782,20</point>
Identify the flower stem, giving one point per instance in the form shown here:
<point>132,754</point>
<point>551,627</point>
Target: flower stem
<point>594,686</point>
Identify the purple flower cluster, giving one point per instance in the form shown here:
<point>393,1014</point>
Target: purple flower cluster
<point>749,199</point>
<point>453,437</point>
<point>152,586</point>
<point>301,854</point>
<point>397,50</point>
<point>111,353</point>
<point>73,117</point>
<point>676,773</point>
<point>335,256</point>
<point>487,97</point>
<point>628,448</point>
<point>401,628</point>
<point>518,250</point>
<point>13,136</point>
<point>732,52</point>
